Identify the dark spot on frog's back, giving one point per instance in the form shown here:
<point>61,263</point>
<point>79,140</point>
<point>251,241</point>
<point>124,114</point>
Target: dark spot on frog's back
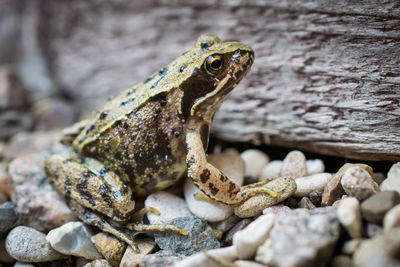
<point>131,91</point>
<point>204,132</point>
<point>103,115</point>
<point>106,195</point>
<point>161,75</point>
<point>91,128</point>
<point>205,176</point>
<point>130,100</point>
<point>182,68</point>
<point>161,98</point>
<point>214,190</point>
<point>117,122</point>
<point>204,46</point>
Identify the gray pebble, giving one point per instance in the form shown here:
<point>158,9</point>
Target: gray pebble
<point>228,238</point>
<point>374,208</point>
<point>201,236</point>
<point>29,245</point>
<point>8,217</point>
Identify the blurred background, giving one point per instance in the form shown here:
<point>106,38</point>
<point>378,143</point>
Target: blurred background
<point>326,76</point>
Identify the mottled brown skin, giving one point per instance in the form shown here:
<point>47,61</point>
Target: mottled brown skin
<point>147,137</point>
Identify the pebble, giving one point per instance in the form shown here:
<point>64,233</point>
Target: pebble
<point>271,170</point>
<point>73,238</point>
<point>392,182</point>
<point>283,186</point>
<point>308,184</point>
<point>341,261</point>
<point>39,205</point>
<point>169,205</point>
<point>387,245</point>
<point>8,217</point>
<point>226,254</point>
<point>392,218</point>
<point>98,263</point>
<point>374,208</point>
<point>132,259</point>
<point>232,166</point>
<point>372,230</point>
<point>228,238</point>
<point>315,166</point>
<point>350,246</point>
<point>23,264</point>
<point>254,160</point>
<point>309,235</point>
<point>110,247</point>
<point>29,245</point>
<point>201,237</point>
<point>357,182</point>
<point>3,198</point>
<point>226,224</point>
<point>243,263</point>
<point>277,209</point>
<point>294,165</point>
<point>315,197</point>
<point>251,237</point>
<point>334,190</point>
<point>349,215</point>
<point>305,203</point>
<point>162,258</point>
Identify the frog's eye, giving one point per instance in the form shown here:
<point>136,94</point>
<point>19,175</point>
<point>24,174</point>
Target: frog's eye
<point>213,64</point>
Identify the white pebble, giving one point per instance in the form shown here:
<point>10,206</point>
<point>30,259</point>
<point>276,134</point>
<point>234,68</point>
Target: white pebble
<point>250,238</point>
<point>200,259</point>
<point>315,166</point>
<point>392,182</point>
<point>271,170</point>
<point>169,205</point>
<point>308,184</point>
<point>23,264</point>
<point>277,209</point>
<point>29,245</point>
<point>230,164</point>
<point>349,215</point>
<point>392,218</point>
<point>357,183</point>
<point>294,165</point>
<point>73,238</point>
<point>255,161</point>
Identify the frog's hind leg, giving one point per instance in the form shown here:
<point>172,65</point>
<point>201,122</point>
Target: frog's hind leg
<point>91,185</point>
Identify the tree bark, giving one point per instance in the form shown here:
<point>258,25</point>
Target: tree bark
<point>326,77</point>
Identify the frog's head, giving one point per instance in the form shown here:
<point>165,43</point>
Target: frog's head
<point>214,68</point>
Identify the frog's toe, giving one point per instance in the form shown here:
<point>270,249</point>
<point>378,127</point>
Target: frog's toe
<point>142,228</point>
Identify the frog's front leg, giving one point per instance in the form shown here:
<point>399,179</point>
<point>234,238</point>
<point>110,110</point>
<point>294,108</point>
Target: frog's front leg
<point>92,185</point>
<point>211,181</point>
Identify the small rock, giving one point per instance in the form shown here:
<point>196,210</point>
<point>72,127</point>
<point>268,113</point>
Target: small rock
<point>98,263</point>
<point>342,261</point>
<point>169,205</point>
<point>251,237</point>
<point>13,94</point>
<point>380,177</point>
<point>372,230</point>
<point>232,166</point>
<point>271,170</point>
<point>255,160</point>
<point>200,236</point>
<point>309,235</point>
<point>294,165</point>
<point>227,255</point>
<point>13,122</point>
<point>277,209</point>
<point>357,183</point>
<point>228,238</point>
<point>350,246</point>
<point>283,186</point>
<point>73,238</point>
<point>387,244</point>
<point>29,245</point>
<point>3,199</point>
<point>243,263</point>
<point>132,259</point>
<point>308,184</point>
<point>39,205</point>
<point>110,247</point>
<point>81,262</point>
<point>226,224</point>
<point>162,258</point>
<point>349,215</point>
<point>315,197</point>
<point>305,203</point>
<point>334,190</point>
<point>315,166</point>
<point>392,218</point>
<point>4,256</point>
<point>392,182</point>
<point>374,208</point>
<point>8,217</point>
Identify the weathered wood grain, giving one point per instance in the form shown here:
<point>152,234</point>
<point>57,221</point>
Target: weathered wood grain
<point>326,77</point>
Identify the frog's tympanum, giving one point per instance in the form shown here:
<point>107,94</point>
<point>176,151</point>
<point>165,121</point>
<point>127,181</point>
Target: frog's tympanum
<point>148,137</point>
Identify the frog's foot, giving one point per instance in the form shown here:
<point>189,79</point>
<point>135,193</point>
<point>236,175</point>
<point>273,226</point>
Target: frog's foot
<point>138,215</point>
<point>142,228</point>
<point>204,197</point>
<point>257,188</point>
<point>93,218</point>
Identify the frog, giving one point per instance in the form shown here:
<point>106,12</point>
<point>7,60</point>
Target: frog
<point>148,137</point>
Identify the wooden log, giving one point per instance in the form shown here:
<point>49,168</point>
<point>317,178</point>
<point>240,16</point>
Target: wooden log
<point>326,77</point>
